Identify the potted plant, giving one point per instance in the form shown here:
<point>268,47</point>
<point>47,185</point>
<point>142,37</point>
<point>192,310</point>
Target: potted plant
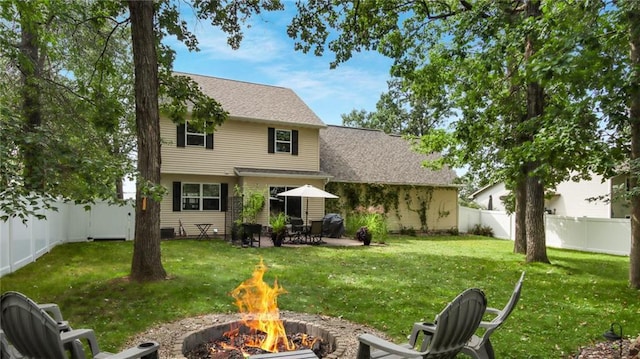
<point>253,203</point>
<point>363,235</point>
<point>278,225</point>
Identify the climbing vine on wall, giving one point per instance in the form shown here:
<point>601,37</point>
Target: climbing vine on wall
<point>353,195</point>
<point>423,199</point>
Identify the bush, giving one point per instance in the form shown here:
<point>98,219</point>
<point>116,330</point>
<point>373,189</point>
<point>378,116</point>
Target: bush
<point>374,221</point>
<point>481,230</point>
<point>408,231</point>
<point>455,232</point>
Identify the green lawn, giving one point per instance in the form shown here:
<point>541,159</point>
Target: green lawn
<point>564,305</point>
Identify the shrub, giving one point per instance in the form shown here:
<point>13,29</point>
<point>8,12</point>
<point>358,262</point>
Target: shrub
<point>371,218</point>
<point>481,230</point>
<point>455,232</point>
<point>408,231</point>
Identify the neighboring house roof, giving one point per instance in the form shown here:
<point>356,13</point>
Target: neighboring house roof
<point>483,189</point>
<point>256,102</point>
<point>371,156</point>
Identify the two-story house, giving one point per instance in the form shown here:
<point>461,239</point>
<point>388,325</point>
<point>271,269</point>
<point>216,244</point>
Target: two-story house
<point>270,143</point>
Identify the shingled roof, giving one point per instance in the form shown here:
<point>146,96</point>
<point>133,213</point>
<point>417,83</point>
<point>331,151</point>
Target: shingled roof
<point>256,102</point>
<point>371,156</point>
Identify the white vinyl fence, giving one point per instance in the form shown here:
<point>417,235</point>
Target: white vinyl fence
<point>21,244</point>
<point>601,235</point>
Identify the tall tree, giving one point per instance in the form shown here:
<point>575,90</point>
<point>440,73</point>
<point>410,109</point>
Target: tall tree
<point>402,111</point>
<point>61,115</point>
<point>534,218</point>
<point>146,263</point>
<point>480,47</point>
<point>633,16</point>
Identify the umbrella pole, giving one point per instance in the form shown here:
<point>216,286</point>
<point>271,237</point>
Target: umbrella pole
<point>306,213</point>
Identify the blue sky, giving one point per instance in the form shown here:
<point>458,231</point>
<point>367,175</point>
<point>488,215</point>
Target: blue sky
<point>266,56</point>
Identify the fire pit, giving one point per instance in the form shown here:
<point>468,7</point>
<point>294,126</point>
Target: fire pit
<point>260,330</point>
<point>333,345</point>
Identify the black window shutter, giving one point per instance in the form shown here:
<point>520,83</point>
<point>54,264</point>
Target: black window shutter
<point>294,142</point>
<point>272,140</point>
<point>224,194</point>
<point>181,135</point>
<point>177,196</point>
<point>209,141</point>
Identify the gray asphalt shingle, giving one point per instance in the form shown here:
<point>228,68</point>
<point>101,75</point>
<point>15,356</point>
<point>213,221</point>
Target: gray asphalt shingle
<point>250,101</point>
<point>372,156</point>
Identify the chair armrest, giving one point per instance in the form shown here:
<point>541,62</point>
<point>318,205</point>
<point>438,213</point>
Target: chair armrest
<point>368,340</point>
<point>53,310</point>
<point>77,334</point>
<point>143,350</point>
<point>425,328</point>
<point>493,311</point>
<point>488,325</point>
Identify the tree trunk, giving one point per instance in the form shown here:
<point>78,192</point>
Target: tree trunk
<point>520,244</point>
<point>536,243</point>
<point>31,70</point>
<point>634,122</point>
<point>146,264</point>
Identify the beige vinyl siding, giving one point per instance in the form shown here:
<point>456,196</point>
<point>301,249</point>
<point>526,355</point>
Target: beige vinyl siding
<point>442,213</point>
<point>169,218</point>
<point>237,144</point>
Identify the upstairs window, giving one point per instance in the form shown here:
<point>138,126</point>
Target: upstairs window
<point>283,141</point>
<point>200,197</point>
<point>194,138</point>
<point>188,135</point>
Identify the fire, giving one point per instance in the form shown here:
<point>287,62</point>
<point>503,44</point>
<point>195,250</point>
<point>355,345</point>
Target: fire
<point>258,304</point>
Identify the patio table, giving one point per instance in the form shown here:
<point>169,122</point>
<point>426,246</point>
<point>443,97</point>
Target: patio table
<point>203,227</point>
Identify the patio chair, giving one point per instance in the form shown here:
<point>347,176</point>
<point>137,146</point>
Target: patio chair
<point>296,230</point>
<point>315,232</point>
<point>9,352</point>
<point>442,339</point>
<point>479,346</point>
<point>35,334</point>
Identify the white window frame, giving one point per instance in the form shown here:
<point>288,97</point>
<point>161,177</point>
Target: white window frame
<point>200,197</point>
<point>188,134</point>
<point>277,141</point>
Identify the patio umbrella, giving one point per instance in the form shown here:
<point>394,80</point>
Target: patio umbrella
<point>307,191</point>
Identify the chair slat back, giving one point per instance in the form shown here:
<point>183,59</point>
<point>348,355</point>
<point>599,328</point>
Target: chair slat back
<point>31,330</point>
<point>316,228</point>
<point>457,323</point>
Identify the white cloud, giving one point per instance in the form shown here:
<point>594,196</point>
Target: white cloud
<point>255,47</point>
<point>266,56</point>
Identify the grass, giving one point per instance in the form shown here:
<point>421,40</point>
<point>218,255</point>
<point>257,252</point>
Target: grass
<point>565,305</point>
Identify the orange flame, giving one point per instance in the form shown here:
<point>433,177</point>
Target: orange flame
<point>258,304</point>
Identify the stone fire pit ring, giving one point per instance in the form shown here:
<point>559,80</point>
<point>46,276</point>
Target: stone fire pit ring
<point>191,339</point>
